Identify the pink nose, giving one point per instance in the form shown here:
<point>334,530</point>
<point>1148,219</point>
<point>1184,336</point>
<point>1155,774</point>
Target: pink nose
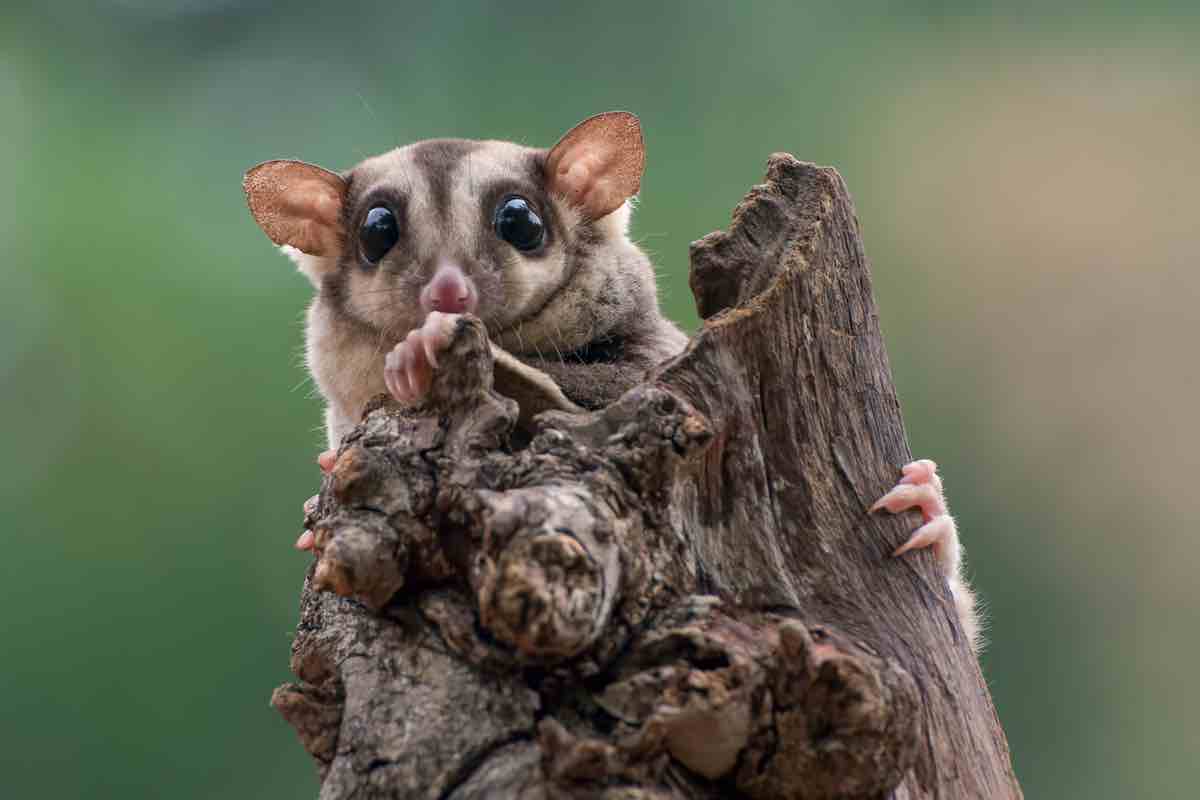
<point>449,291</point>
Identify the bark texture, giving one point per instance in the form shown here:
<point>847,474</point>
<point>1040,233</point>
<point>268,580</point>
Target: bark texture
<point>677,596</point>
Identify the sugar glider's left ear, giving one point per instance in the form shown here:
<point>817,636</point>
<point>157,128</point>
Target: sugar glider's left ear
<point>598,164</point>
<point>297,204</point>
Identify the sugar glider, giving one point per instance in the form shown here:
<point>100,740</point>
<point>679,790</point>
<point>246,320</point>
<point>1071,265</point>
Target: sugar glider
<point>534,242</point>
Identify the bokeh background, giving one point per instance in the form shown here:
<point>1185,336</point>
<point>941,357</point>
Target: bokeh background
<point>1027,181</point>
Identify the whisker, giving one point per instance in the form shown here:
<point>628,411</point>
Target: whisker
<point>558,330</point>
<point>372,362</point>
<point>387,290</point>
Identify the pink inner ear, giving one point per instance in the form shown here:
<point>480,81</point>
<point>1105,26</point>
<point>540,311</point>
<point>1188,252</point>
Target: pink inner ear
<point>297,204</point>
<point>574,178</point>
<point>598,165</point>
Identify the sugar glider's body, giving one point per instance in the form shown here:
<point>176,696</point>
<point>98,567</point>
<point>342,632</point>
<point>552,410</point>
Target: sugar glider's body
<point>532,241</point>
<point>585,311</point>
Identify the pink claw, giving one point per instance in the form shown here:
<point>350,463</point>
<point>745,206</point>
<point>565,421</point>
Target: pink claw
<point>931,534</point>
<point>326,460</point>
<point>904,496</point>
<point>416,367</point>
<point>431,347</point>
<point>395,376</point>
<point>306,539</point>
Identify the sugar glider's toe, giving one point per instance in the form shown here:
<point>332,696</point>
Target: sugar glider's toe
<point>921,487</point>
<point>305,541</point>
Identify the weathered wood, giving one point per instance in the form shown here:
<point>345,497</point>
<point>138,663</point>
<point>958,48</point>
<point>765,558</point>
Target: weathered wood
<point>677,596</point>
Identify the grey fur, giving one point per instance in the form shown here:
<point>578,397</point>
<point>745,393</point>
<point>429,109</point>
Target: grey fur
<point>584,311</point>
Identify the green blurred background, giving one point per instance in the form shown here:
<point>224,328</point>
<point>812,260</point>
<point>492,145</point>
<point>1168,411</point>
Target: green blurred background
<point>1026,180</point>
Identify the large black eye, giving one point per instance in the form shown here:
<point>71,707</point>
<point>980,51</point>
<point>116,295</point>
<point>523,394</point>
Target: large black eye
<point>379,233</point>
<point>519,225</point>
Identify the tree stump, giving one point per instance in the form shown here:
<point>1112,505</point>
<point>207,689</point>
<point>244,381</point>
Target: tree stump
<point>681,595</point>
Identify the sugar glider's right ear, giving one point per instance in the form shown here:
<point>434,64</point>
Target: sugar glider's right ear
<point>297,204</point>
<point>597,165</point>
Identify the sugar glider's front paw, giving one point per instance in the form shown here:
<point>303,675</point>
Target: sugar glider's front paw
<point>408,369</point>
<point>922,488</point>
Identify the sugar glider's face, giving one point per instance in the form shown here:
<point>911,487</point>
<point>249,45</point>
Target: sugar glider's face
<point>475,215</point>
<point>486,227</point>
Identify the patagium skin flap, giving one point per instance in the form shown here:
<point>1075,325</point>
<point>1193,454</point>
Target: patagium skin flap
<point>535,242</point>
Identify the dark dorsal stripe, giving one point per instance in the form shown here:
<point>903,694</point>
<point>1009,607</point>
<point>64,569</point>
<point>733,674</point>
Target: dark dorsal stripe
<point>438,159</point>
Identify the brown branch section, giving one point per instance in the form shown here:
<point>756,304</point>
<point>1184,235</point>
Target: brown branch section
<point>678,596</point>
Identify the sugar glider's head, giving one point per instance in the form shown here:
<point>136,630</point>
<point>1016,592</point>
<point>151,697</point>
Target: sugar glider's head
<point>487,227</point>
